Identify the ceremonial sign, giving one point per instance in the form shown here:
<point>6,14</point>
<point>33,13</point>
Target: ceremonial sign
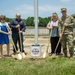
<point>35,50</point>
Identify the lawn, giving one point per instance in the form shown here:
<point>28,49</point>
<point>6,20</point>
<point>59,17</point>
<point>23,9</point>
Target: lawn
<point>48,66</point>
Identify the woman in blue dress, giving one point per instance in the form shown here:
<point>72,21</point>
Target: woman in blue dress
<point>4,38</point>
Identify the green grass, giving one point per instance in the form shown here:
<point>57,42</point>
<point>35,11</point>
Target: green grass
<point>48,66</point>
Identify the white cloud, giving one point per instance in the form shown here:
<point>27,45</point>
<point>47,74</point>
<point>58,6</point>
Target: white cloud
<point>49,8</point>
<point>65,0</point>
<point>28,10</point>
<point>25,10</point>
<point>46,10</point>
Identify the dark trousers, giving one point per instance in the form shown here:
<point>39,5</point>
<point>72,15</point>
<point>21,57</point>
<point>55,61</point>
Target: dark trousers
<point>54,41</point>
<point>16,39</point>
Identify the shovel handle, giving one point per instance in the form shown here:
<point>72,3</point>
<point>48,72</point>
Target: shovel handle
<point>20,38</point>
<point>49,40</point>
<point>11,39</point>
<point>46,51</point>
<point>59,39</point>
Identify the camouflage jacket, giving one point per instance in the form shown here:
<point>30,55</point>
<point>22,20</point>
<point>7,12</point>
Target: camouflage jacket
<point>68,20</point>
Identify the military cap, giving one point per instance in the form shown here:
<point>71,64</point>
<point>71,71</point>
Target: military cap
<point>63,9</point>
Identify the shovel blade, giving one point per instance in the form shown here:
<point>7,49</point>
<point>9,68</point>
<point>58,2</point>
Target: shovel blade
<point>44,55</point>
<point>19,57</point>
<point>23,55</point>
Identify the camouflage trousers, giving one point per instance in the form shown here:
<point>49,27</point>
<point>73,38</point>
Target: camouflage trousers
<point>67,42</point>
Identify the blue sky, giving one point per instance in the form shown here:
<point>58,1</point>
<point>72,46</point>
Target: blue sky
<point>26,7</point>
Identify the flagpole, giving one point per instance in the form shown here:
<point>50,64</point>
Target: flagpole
<point>36,20</point>
<point>35,49</point>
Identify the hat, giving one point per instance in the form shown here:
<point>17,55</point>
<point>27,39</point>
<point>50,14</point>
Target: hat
<point>63,9</point>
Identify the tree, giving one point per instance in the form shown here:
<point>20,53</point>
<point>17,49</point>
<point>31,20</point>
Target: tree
<point>30,21</point>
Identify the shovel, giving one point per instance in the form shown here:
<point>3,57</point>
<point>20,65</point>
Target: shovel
<point>46,51</point>
<point>53,56</point>
<point>22,54</point>
<point>17,56</point>
<point>14,56</point>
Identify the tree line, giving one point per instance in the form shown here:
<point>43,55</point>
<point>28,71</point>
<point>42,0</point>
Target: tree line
<point>30,21</point>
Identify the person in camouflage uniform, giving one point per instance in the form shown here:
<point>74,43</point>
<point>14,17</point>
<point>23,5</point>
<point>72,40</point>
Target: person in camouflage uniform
<point>73,15</point>
<point>67,37</point>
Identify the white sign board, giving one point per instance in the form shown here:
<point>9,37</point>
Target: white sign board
<point>35,50</point>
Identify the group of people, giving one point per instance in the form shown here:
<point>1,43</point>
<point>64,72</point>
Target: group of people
<point>60,29</point>
<point>17,26</point>
<point>62,33</point>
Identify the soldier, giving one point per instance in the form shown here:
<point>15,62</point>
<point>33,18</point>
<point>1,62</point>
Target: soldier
<point>67,22</point>
<point>73,16</point>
